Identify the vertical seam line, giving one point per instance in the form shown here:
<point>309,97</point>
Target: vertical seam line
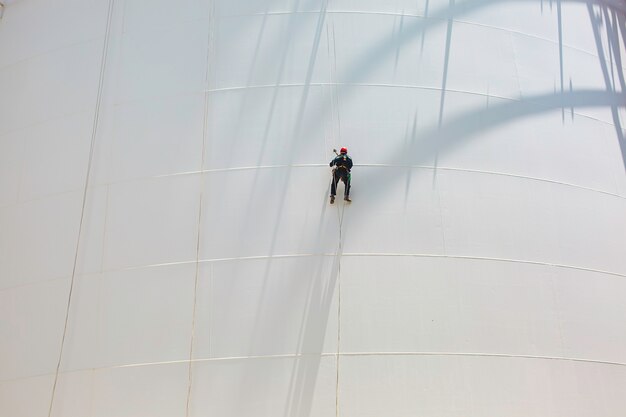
<point>94,131</point>
<point>200,207</point>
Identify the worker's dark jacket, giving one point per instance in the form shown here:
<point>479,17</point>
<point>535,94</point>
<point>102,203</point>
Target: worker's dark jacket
<point>342,161</point>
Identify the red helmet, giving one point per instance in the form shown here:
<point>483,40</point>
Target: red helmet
<point>343,150</point>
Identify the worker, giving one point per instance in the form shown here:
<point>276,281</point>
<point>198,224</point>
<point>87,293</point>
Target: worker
<point>342,164</point>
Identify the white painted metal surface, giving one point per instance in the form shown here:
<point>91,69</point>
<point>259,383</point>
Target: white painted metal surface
<point>166,243</point>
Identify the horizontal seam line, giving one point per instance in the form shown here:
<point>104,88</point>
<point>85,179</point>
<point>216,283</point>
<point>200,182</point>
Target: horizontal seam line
<point>477,171</point>
<point>214,170</point>
<point>312,255</point>
<point>327,354</point>
<point>476,354</point>
<point>408,86</point>
<point>331,84</point>
<point>405,353</point>
<point>505,174</point>
<point>164,97</point>
<point>361,254</point>
<point>193,92</point>
<point>517,32</point>
<point>420,16</point>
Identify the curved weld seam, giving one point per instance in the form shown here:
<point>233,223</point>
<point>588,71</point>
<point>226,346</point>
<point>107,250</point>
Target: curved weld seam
<point>344,84</point>
<point>355,354</point>
<point>333,354</point>
<point>422,16</point>
<point>215,170</point>
<point>372,254</point>
<point>478,171</point>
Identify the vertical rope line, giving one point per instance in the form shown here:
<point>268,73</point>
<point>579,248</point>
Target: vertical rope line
<point>330,91</point>
<point>205,122</point>
<point>337,86</point>
<point>94,131</point>
<point>339,254</point>
<point>338,327</point>
<point>340,214</point>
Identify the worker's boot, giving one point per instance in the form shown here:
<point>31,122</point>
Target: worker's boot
<point>332,199</point>
<point>347,198</point>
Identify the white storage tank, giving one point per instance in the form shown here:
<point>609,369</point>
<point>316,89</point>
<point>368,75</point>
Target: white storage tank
<point>167,246</point>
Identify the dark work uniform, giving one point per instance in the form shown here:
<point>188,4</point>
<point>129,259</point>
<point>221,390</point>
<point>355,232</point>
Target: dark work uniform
<point>343,165</point>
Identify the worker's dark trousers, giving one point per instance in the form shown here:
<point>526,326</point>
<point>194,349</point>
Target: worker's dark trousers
<point>344,176</point>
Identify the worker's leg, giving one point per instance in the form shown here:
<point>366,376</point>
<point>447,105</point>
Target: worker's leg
<point>346,181</point>
<point>333,185</point>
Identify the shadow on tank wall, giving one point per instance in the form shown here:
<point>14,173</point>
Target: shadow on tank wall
<point>318,280</point>
<point>608,16</point>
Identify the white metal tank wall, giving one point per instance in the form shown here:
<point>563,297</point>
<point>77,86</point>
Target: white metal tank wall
<point>166,243</point>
